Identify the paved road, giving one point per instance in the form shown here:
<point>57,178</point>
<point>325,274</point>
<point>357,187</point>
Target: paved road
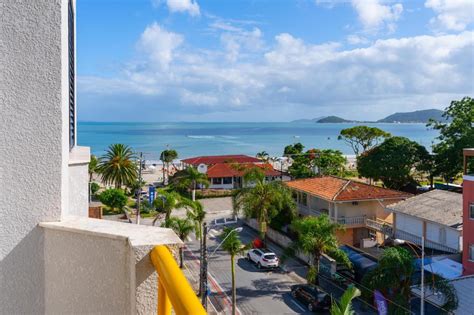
<point>258,291</point>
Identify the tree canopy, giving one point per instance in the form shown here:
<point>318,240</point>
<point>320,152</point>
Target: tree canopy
<point>113,198</point>
<point>362,138</point>
<point>392,162</point>
<point>118,165</point>
<point>456,133</point>
<point>326,162</point>
<point>296,148</point>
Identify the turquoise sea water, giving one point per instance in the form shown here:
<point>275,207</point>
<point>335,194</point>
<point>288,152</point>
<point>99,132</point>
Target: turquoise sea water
<point>192,139</point>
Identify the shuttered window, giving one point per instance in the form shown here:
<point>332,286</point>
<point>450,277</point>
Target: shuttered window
<point>71,65</point>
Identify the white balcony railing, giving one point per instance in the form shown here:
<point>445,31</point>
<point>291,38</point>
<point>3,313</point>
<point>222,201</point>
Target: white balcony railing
<point>428,243</point>
<point>356,220</point>
<point>380,226</point>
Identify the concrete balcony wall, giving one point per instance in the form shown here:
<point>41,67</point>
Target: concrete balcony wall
<point>96,266</point>
<point>78,188</point>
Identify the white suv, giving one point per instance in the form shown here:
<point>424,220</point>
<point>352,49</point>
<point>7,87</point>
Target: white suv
<point>263,258</point>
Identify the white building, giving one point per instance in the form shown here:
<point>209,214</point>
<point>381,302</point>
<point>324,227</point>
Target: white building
<point>53,258</point>
<point>436,215</point>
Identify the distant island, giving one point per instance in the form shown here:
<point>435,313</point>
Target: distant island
<point>419,116</point>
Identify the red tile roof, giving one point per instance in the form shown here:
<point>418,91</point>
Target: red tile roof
<point>210,160</point>
<point>229,170</point>
<point>339,189</point>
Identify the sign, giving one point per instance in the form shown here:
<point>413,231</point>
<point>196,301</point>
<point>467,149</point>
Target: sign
<point>381,303</point>
<point>151,194</point>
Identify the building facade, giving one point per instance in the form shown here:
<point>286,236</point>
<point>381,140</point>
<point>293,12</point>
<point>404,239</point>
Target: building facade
<point>359,207</point>
<point>468,214</point>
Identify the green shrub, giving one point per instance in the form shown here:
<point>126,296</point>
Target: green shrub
<point>94,188</point>
<point>114,198</point>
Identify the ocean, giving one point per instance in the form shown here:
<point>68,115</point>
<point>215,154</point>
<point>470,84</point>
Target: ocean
<point>194,139</point>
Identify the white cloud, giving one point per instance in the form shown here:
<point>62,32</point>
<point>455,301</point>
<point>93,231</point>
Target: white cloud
<point>363,83</point>
<point>182,6</point>
<point>159,44</point>
<point>356,40</point>
<point>454,15</point>
<point>374,15</point>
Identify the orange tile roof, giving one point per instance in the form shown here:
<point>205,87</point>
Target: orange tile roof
<point>214,159</point>
<point>339,189</point>
<point>228,170</point>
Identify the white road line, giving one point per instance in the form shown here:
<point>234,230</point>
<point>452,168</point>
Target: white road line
<point>298,305</point>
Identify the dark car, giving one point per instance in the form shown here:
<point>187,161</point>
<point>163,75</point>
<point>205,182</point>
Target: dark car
<point>312,297</point>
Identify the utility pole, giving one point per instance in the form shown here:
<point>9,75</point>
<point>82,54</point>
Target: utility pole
<point>139,190</point>
<point>203,285</point>
<point>422,306</point>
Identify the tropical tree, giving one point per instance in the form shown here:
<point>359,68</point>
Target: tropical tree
<point>456,132</point>
<point>328,162</point>
<point>189,178</point>
<point>196,213</point>
<point>93,166</point>
<point>114,198</point>
<point>344,307</point>
<point>264,156</point>
<point>292,149</point>
<point>118,165</point>
<point>317,236</point>
<point>167,156</point>
<point>362,138</point>
<point>393,162</point>
<point>182,227</point>
<point>264,200</point>
<point>233,245</point>
<point>167,201</point>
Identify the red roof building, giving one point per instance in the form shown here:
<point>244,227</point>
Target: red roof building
<point>215,159</point>
<point>230,170</point>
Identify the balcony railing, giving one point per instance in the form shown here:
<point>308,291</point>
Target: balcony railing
<point>428,243</point>
<point>356,220</point>
<point>380,226</point>
<point>173,288</point>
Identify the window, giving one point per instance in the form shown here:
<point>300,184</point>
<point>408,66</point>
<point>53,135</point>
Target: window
<point>471,252</point>
<point>217,180</point>
<point>227,180</point>
<point>471,211</point>
<point>304,199</point>
<point>72,83</point>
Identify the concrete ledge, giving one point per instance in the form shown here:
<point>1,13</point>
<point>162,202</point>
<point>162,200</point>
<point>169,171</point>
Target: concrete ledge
<point>79,155</point>
<point>137,235</point>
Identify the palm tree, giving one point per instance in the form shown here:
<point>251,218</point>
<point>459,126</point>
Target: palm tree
<point>189,179</point>
<point>92,166</point>
<point>317,236</point>
<point>264,156</point>
<point>166,202</point>
<point>182,227</point>
<point>344,307</point>
<point>233,246</point>
<point>264,200</point>
<point>118,165</point>
<point>196,213</point>
<point>167,156</point>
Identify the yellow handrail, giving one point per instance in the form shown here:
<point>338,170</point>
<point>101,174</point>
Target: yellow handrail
<point>173,288</point>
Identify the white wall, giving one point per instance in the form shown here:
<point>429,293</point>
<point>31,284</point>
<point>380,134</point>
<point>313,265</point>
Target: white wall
<point>452,236</point>
<point>409,224</point>
<point>33,158</point>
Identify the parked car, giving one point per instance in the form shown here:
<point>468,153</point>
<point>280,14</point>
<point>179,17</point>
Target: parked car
<point>263,258</point>
<point>313,297</point>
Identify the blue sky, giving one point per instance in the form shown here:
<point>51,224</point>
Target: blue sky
<point>262,60</point>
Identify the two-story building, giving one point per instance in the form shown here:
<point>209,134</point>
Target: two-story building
<point>468,214</point>
<point>355,205</point>
<point>227,171</point>
<point>435,216</point>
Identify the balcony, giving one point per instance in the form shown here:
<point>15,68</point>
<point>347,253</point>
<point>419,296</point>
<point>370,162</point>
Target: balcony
<point>428,243</point>
<point>380,226</point>
<point>100,266</point>
<point>352,221</point>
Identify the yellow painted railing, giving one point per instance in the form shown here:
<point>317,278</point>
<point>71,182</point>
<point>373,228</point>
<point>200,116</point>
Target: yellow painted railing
<point>174,289</point>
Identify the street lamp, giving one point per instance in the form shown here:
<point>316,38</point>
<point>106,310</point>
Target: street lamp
<point>204,261</point>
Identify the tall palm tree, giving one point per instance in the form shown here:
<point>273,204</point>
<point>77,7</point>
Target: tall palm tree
<point>92,166</point>
<point>196,213</point>
<point>183,227</point>
<point>233,245</point>
<point>117,166</point>
<point>167,156</point>
<point>264,200</point>
<point>264,156</point>
<point>317,236</point>
<point>189,179</point>
<point>166,202</point>
<point>344,307</point>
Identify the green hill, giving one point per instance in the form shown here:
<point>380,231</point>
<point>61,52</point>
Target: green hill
<point>419,116</point>
<point>332,119</point>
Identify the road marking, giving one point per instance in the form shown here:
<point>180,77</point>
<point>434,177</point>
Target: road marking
<point>298,305</point>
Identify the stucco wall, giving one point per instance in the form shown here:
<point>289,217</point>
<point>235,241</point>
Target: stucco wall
<point>468,224</point>
<point>409,224</point>
<point>87,274</point>
<point>33,145</point>
<point>78,190</point>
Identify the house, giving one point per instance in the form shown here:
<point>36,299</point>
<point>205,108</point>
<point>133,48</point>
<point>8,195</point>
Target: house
<point>227,171</point>
<point>468,215</point>
<point>359,207</point>
<point>54,259</point>
<point>435,215</point>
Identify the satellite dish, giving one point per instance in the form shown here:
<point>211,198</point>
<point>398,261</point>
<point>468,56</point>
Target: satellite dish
<point>202,168</point>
